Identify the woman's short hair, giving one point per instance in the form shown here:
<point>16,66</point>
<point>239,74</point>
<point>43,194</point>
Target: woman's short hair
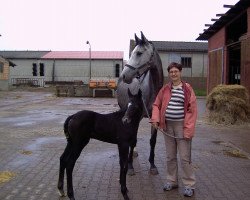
<point>176,65</point>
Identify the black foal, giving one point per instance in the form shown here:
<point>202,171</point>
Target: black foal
<point>117,128</point>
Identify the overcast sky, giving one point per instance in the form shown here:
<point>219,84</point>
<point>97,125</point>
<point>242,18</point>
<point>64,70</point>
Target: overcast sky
<point>107,24</point>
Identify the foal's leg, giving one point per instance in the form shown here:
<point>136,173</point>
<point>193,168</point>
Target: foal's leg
<point>73,156</point>
<point>131,170</point>
<point>61,170</point>
<point>153,168</point>
<point>123,155</point>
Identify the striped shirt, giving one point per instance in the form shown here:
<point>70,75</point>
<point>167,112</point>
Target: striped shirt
<point>175,108</point>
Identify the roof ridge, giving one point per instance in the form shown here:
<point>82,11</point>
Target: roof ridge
<point>179,41</point>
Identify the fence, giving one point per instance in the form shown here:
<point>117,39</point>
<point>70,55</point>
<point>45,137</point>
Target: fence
<point>38,82</point>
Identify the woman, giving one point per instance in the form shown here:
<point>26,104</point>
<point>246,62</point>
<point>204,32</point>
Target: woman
<point>175,111</point>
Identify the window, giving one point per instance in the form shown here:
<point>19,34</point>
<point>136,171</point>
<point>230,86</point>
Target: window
<point>117,70</point>
<point>186,62</point>
<point>41,69</point>
<point>34,69</point>
<point>1,67</point>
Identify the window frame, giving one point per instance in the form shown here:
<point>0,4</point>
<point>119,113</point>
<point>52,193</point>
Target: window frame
<point>186,62</point>
<point>117,70</point>
<point>34,69</point>
<point>41,69</point>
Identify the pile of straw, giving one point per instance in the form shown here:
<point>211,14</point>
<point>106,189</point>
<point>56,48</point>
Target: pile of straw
<point>6,176</point>
<point>228,104</point>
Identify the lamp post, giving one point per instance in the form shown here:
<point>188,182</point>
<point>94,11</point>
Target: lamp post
<point>89,59</point>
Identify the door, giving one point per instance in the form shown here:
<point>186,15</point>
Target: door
<point>234,65</point>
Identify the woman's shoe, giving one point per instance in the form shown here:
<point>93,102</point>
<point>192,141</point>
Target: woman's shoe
<point>188,192</point>
<point>169,186</point>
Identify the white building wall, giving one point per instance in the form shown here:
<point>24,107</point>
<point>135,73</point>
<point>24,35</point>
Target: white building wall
<point>48,69</point>
<point>199,63</point>
<point>105,69</point>
<point>70,70</point>
<point>23,68</point>
<point>165,62</point>
<point>66,70</point>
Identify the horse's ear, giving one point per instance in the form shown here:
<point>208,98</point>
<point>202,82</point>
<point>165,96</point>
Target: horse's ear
<point>137,40</point>
<point>129,93</point>
<point>143,38</point>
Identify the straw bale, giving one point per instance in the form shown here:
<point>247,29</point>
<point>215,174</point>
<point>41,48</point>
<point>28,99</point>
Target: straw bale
<point>228,104</point>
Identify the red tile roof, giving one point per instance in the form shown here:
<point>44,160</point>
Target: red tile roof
<point>83,55</point>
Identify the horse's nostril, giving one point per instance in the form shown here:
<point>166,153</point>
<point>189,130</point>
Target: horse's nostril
<point>123,77</point>
<point>125,120</point>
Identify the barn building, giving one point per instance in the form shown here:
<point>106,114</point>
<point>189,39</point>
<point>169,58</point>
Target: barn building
<point>5,66</point>
<point>229,46</point>
<point>45,67</point>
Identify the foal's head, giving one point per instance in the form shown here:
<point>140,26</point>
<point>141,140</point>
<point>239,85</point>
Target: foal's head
<point>134,107</point>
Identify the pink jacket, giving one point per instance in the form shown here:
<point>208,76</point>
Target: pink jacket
<point>190,108</point>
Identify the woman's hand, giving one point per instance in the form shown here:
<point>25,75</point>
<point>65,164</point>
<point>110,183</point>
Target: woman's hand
<point>155,124</point>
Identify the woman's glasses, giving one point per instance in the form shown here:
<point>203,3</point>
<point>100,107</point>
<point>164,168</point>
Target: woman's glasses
<point>174,72</point>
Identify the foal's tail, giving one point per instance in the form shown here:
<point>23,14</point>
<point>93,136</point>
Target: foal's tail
<point>66,127</point>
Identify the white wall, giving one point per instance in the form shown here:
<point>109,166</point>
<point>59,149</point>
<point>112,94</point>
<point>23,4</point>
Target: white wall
<point>199,63</point>
<point>66,70</point>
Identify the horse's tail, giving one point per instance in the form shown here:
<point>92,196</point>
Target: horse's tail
<point>66,128</point>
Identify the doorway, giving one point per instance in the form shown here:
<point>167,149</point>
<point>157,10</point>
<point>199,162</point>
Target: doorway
<point>234,64</point>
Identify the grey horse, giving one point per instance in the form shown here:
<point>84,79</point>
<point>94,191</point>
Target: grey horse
<point>142,71</point>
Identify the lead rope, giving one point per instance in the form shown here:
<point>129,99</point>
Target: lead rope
<point>161,130</point>
<point>164,132</point>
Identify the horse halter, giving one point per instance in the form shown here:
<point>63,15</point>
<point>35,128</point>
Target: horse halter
<point>141,67</point>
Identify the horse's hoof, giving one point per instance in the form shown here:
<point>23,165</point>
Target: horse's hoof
<point>131,172</point>
<point>153,171</point>
<point>125,197</point>
<point>61,193</point>
<point>135,154</point>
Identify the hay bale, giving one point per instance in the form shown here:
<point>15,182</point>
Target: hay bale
<point>228,104</point>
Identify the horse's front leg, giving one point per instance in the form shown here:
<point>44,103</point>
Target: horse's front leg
<point>123,155</point>
<point>131,170</point>
<point>153,168</point>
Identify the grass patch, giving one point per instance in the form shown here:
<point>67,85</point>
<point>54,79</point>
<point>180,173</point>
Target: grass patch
<point>199,92</point>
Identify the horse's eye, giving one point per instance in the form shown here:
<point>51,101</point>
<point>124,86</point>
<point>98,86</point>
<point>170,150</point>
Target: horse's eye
<point>139,53</point>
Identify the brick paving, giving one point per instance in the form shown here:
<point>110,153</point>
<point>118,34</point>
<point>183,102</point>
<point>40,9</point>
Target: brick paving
<point>32,141</point>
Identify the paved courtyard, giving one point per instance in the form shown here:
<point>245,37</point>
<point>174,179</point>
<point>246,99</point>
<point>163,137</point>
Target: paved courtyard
<point>32,140</point>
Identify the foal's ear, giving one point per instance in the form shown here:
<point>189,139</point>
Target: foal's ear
<point>129,93</point>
